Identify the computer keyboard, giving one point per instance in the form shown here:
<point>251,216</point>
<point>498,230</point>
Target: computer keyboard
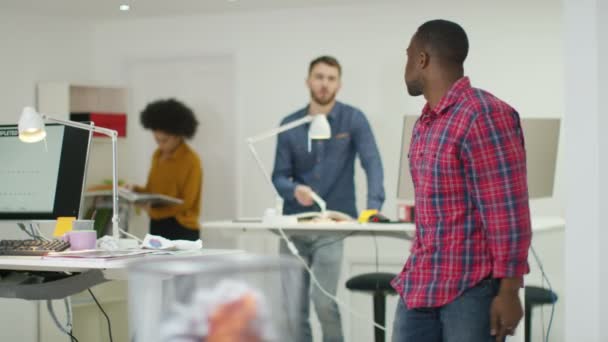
<point>32,247</point>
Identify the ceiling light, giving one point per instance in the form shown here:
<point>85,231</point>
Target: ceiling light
<point>125,7</point>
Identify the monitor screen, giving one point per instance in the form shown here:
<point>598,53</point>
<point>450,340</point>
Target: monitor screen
<point>44,180</point>
<point>541,136</point>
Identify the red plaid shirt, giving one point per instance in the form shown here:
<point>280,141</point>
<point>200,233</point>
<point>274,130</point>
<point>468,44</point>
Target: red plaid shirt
<point>468,165</point>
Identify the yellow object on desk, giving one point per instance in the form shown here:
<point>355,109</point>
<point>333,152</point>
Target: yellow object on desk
<point>365,215</point>
<point>64,225</point>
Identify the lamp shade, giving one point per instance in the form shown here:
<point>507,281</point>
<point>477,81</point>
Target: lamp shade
<point>319,127</point>
<point>31,126</point>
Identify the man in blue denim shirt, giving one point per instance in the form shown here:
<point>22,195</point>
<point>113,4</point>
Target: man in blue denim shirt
<point>328,170</point>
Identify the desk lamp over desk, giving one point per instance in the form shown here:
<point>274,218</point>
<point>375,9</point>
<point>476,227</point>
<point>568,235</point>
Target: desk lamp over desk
<point>319,129</point>
<point>32,129</point>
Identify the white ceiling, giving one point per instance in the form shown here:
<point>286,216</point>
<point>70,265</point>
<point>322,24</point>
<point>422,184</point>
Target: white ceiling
<point>106,9</point>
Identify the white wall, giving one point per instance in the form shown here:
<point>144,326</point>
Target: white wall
<point>36,49</point>
<point>602,21</point>
<point>516,53</point>
<point>586,76</point>
<point>519,60</point>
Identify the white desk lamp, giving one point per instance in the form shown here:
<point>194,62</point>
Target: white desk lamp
<point>31,129</point>
<point>319,129</point>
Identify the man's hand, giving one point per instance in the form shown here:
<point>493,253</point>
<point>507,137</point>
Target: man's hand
<point>302,193</point>
<point>506,310</point>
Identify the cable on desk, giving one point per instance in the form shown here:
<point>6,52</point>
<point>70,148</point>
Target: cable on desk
<point>35,227</point>
<point>68,312</point>
<point>25,229</point>
<point>104,313</point>
<point>294,250</point>
<point>544,275</point>
<point>32,230</point>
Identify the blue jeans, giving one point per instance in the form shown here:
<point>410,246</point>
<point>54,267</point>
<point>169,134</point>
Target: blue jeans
<point>324,257</point>
<point>466,319</point>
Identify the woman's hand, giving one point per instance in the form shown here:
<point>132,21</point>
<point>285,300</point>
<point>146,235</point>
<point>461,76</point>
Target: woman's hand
<point>143,206</point>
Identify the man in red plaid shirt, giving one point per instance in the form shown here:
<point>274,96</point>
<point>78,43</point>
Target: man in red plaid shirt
<point>468,165</point>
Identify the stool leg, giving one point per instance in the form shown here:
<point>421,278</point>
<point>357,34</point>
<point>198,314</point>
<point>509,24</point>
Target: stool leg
<point>379,315</point>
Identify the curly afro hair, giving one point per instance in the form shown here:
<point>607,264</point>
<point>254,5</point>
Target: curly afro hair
<point>169,116</point>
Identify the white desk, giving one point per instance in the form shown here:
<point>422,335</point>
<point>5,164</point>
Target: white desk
<point>115,269</point>
<point>401,230</point>
<point>540,224</point>
<point>80,274</point>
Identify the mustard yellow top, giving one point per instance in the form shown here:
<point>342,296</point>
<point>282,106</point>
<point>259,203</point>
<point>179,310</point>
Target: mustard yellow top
<point>179,176</point>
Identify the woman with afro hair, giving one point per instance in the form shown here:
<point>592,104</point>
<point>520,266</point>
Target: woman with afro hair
<point>175,170</point>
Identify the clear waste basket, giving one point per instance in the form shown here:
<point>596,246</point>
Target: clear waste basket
<point>235,298</point>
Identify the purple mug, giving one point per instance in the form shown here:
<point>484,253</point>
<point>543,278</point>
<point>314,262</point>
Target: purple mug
<point>81,239</point>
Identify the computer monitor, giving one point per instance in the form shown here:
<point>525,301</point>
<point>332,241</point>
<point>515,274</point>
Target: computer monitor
<point>541,136</point>
<point>44,180</point>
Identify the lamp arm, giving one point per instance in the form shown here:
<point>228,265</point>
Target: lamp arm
<point>75,124</point>
<point>114,135</point>
<point>278,198</point>
<point>270,134</point>
<point>281,129</point>
<point>115,219</point>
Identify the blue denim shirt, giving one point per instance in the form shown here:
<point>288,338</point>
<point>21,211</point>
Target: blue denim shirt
<point>329,167</point>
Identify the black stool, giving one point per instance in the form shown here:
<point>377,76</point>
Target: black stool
<point>535,296</point>
<point>379,285</point>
